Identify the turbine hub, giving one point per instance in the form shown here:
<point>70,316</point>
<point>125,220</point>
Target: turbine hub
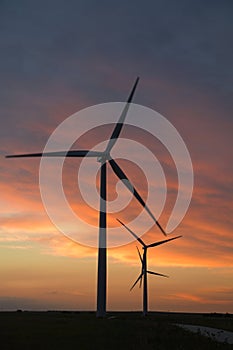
<point>103,158</point>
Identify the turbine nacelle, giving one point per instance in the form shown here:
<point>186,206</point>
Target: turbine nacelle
<point>102,158</point>
<point>144,273</point>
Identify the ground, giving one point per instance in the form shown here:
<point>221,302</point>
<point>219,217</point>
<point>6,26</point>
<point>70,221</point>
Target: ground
<point>125,330</point>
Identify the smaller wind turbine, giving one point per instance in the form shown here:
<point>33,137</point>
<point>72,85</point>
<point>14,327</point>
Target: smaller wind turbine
<point>144,271</point>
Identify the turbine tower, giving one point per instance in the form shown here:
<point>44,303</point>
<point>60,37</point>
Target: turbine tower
<point>144,271</point>
<point>103,157</point>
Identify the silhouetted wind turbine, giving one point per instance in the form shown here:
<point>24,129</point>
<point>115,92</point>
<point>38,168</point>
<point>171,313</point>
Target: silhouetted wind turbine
<point>144,271</point>
<point>103,157</point>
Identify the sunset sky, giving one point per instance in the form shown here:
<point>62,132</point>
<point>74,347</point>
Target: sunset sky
<point>58,57</point>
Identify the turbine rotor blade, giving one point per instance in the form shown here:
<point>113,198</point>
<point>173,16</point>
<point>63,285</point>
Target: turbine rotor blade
<point>162,242</point>
<point>132,233</point>
<point>140,283</point>
<point>121,175</point>
<point>139,254</point>
<point>140,276</point>
<point>120,123</point>
<point>82,153</point>
<point>157,274</point>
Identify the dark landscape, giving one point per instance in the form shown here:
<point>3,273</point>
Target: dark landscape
<point>119,330</point>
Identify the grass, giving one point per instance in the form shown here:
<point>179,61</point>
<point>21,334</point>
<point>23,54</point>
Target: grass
<point>81,330</point>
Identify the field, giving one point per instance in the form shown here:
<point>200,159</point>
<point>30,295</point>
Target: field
<point>81,330</point>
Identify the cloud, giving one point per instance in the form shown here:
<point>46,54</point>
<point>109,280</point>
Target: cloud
<point>13,303</point>
<point>202,296</point>
<point>206,232</point>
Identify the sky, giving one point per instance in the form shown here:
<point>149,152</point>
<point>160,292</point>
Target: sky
<point>59,57</point>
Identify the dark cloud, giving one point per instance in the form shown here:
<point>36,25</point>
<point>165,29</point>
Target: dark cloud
<point>58,56</point>
<point>77,42</point>
<point>14,303</point>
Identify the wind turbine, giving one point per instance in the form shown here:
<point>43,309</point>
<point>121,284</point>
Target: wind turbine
<point>144,271</point>
<point>103,157</point>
